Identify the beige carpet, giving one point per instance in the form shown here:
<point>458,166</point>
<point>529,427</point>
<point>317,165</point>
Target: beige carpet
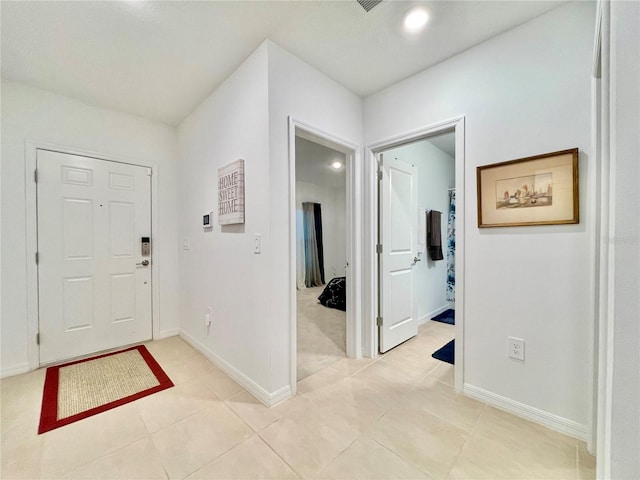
<point>321,333</point>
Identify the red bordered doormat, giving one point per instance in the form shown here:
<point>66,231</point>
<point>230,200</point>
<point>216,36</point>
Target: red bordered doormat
<point>83,388</point>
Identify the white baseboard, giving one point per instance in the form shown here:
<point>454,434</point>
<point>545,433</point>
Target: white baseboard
<point>546,419</point>
<point>430,315</point>
<point>168,333</point>
<point>269,399</point>
<point>280,395</point>
<point>14,370</point>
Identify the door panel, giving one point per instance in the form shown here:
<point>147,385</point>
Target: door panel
<point>398,237</point>
<point>400,190</point>
<point>123,297</point>
<point>77,234</point>
<point>77,306</point>
<point>92,294</point>
<point>122,229</point>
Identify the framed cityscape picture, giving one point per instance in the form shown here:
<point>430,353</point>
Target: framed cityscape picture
<point>538,190</point>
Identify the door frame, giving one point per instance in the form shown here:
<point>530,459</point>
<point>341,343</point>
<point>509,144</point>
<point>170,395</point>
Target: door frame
<point>370,235</point>
<point>31,231</point>
<point>354,238</point>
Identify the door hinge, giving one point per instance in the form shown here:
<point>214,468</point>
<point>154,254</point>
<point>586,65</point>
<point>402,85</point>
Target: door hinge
<point>379,175</point>
<point>37,258</point>
<point>38,338</point>
<point>379,248</point>
<point>35,175</point>
<point>149,171</point>
<point>379,321</point>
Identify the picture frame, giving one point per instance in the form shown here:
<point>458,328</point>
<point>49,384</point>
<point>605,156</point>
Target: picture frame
<point>538,190</point>
<point>231,193</point>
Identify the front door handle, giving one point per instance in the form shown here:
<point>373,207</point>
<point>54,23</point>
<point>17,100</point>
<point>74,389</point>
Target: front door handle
<point>143,263</point>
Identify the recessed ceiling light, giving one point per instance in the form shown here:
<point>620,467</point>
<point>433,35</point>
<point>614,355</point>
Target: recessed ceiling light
<point>416,19</point>
<point>337,164</point>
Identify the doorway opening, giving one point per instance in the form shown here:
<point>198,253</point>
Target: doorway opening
<point>417,225</point>
<point>321,252</point>
<point>326,245</point>
<point>416,219</point>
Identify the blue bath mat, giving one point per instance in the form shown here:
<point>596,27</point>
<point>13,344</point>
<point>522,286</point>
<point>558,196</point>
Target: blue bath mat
<point>446,353</point>
<point>448,316</point>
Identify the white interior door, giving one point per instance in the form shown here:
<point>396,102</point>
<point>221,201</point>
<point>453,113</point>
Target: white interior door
<point>398,190</point>
<point>94,288</point>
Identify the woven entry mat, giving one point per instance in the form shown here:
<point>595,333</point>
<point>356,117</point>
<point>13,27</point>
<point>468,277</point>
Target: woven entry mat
<point>80,389</point>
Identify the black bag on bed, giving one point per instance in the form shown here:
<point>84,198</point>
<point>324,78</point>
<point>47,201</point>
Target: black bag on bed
<point>333,295</point>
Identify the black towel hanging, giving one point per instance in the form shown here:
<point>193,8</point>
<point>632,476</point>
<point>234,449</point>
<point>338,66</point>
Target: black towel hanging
<point>434,236</point>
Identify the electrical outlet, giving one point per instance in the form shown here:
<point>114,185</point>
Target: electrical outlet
<point>257,243</point>
<point>516,348</point>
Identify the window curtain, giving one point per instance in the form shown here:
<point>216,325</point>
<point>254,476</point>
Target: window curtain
<point>313,249</point>
<point>451,248</point>
<point>317,216</point>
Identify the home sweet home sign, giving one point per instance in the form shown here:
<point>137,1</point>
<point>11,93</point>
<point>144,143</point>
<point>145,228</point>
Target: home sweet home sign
<point>231,193</point>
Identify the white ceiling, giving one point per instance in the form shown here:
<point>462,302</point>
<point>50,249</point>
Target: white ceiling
<point>313,164</point>
<point>160,60</point>
<point>445,142</point>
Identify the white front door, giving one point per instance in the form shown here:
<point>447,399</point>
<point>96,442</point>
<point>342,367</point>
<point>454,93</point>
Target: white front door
<point>94,288</point>
<point>398,190</point>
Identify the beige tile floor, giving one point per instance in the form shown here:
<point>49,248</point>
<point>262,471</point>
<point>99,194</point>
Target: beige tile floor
<point>396,417</point>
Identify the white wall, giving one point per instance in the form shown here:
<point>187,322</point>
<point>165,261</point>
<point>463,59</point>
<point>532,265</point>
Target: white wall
<point>334,232</point>
<point>327,187</point>
<point>436,174</point>
<point>247,117</point>
<point>524,92</point>
<point>220,269</point>
<point>625,240</point>
<point>296,89</point>
<point>32,115</point>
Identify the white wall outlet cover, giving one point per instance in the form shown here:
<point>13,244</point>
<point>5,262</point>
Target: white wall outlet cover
<point>257,243</point>
<point>516,348</point>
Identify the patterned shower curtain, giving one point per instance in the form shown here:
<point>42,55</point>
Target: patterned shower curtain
<point>451,248</point>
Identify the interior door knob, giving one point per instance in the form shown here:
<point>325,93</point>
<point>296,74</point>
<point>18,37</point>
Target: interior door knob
<point>143,263</point>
